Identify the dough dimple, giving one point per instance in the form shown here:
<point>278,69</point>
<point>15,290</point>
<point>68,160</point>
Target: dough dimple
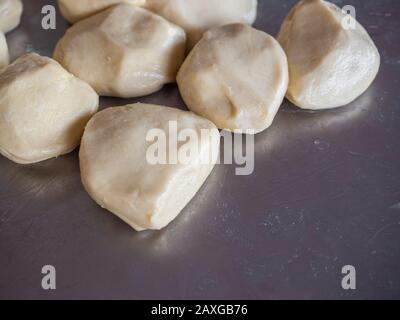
<point>4,57</point>
<point>123,51</point>
<point>117,175</point>
<point>43,109</point>
<point>10,14</point>
<point>329,65</point>
<point>236,76</point>
<point>75,10</point>
<point>197,16</point>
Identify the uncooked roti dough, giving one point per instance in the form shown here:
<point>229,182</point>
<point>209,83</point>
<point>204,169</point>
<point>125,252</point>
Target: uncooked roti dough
<point>117,174</point>
<point>43,109</point>
<point>4,58</point>
<point>10,14</point>
<point>75,10</point>
<point>124,51</point>
<point>330,64</point>
<point>197,16</point>
<point>236,76</point>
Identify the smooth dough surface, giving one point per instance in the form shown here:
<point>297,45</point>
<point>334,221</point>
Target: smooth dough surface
<point>10,14</point>
<point>43,109</point>
<point>197,16</point>
<point>329,65</point>
<point>4,57</point>
<point>236,76</point>
<point>117,175</point>
<point>123,51</point>
<point>75,10</point>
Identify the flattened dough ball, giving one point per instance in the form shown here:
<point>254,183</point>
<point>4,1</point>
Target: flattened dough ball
<point>4,57</point>
<point>236,76</point>
<point>197,16</point>
<point>75,10</point>
<point>123,51</point>
<point>329,65</point>
<point>118,175</point>
<point>43,109</point>
<point>10,14</point>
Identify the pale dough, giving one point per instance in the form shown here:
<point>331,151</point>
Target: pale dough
<point>4,57</point>
<point>43,109</point>
<point>329,66</point>
<point>10,14</point>
<point>197,16</point>
<point>123,51</point>
<point>75,10</point>
<point>116,173</point>
<point>236,76</point>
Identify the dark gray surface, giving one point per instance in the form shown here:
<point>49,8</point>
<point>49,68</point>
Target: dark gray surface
<point>325,193</point>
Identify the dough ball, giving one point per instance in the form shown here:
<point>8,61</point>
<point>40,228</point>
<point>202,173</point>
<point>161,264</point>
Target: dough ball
<point>197,16</point>
<point>75,10</point>
<point>117,174</point>
<point>329,65</point>
<point>124,51</point>
<point>236,76</point>
<point>10,14</point>
<point>4,57</point>
<point>43,109</point>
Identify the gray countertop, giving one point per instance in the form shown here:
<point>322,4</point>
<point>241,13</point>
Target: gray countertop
<point>325,193</point>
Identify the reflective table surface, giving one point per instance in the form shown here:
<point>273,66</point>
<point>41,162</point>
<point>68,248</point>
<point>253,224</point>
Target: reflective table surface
<point>325,193</point>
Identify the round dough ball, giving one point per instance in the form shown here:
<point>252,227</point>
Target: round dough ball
<point>75,10</point>
<point>4,57</point>
<point>236,76</point>
<point>10,14</point>
<point>124,51</point>
<point>43,109</point>
<point>116,171</point>
<point>197,16</point>
<point>329,65</point>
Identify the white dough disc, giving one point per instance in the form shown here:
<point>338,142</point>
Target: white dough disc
<point>332,59</point>
<point>4,57</point>
<point>10,14</point>
<point>236,76</point>
<point>43,109</point>
<point>198,16</point>
<point>75,10</point>
<point>123,51</point>
<point>116,171</point>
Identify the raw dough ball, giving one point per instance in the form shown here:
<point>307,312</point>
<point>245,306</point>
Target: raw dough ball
<point>43,109</point>
<point>124,51</point>
<point>75,10</point>
<point>4,58</point>
<point>236,76</point>
<point>117,174</point>
<point>10,14</point>
<point>197,16</point>
<point>329,66</point>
